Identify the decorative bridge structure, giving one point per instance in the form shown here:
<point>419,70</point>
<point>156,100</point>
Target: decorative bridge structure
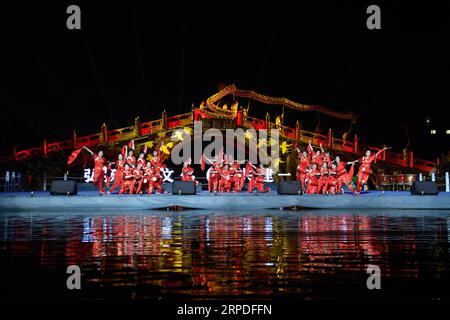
<point>213,115</point>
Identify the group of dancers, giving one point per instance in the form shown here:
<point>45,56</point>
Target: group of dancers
<point>133,176</point>
<point>227,175</point>
<point>318,174</point>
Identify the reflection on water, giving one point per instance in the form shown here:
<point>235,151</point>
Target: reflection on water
<point>199,254</point>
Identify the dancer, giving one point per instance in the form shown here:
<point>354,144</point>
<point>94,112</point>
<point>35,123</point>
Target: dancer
<point>118,176</point>
<point>128,180</point>
<point>257,181</point>
<point>226,178</point>
<point>141,160</point>
<point>214,175</point>
<point>315,156</point>
<point>365,168</point>
<point>131,159</point>
<point>304,162</point>
<point>343,176</point>
<point>99,174</point>
<point>313,179</point>
<point>187,173</point>
<point>238,176</point>
<point>138,179</point>
<point>322,182</point>
<point>331,181</point>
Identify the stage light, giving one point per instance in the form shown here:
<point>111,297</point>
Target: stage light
<point>433,131</point>
<point>447,131</point>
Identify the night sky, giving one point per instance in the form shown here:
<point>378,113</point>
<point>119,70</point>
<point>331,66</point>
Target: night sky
<point>129,59</point>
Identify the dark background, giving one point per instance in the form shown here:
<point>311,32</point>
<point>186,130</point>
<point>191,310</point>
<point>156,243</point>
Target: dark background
<point>133,59</point>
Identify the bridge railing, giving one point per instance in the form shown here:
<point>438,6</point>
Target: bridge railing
<point>316,138</point>
<point>23,154</point>
<point>342,145</point>
<point>424,165</point>
<point>397,159</point>
<point>181,120</point>
<point>255,123</point>
<point>89,141</point>
<point>285,131</point>
<point>126,133</point>
<point>186,119</point>
<point>59,146</point>
<point>150,127</point>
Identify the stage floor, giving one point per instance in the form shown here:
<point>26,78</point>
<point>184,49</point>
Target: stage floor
<point>90,200</point>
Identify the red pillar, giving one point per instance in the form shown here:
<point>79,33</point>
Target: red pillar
<point>104,131</point>
<point>330,138</point>
<point>137,126</point>
<point>297,130</point>
<point>164,120</point>
<point>239,118</point>
<point>196,114</point>
<point>411,159</point>
<point>355,145</point>
<point>74,139</point>
<point>44,147</point>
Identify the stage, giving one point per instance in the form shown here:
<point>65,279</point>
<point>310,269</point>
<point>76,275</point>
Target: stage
<point>90,200</point>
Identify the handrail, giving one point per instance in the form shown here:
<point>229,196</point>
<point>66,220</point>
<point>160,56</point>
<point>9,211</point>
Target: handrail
<point>185,119</point>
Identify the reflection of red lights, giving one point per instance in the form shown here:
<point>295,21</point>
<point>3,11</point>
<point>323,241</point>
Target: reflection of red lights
<point>222,254</point>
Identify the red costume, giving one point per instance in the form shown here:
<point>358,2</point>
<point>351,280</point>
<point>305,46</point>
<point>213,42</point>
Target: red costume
<point>127,182</point>
<point>187,174</point>
<point>142,162</point>
<point>364,171</point>
<point>313,177</point>
<point>99,174</point>
<point>156,182</point>
<point>137,182</point>
<point>331,182</point>
<point>238,177</point>
<point>118,176</point>
<point>226,179</point>
<point>301,170</point>
<point>156,160</point>
<point>214,174</point>
<point>322,182</point>
<point>257,181</point>
<point>344,177</point>
<point>131,160</point>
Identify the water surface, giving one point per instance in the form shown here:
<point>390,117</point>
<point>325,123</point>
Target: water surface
<point>214,255</point>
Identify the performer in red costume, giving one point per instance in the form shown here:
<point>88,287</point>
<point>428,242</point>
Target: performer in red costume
<point>187,173</point>
<point>326,158</point>
<point>257,180</point>
<point>214,174</point>
<point>365,168</point>
<point>118,176</point>
<point>316,157</point>
<point>343,176</point>
<point>156,182</point>
<point>131,159</point>
<point>238,176</point>
<point>313,177</point>
<point>141,160</point>
<point>331,181</point>
<point>128,180</point>
<point>303,163</point>
<point>138,179</point>
<point>322,183</point>
<point>99,174</point>
<point>226,176</point>
<point>156,158</point>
